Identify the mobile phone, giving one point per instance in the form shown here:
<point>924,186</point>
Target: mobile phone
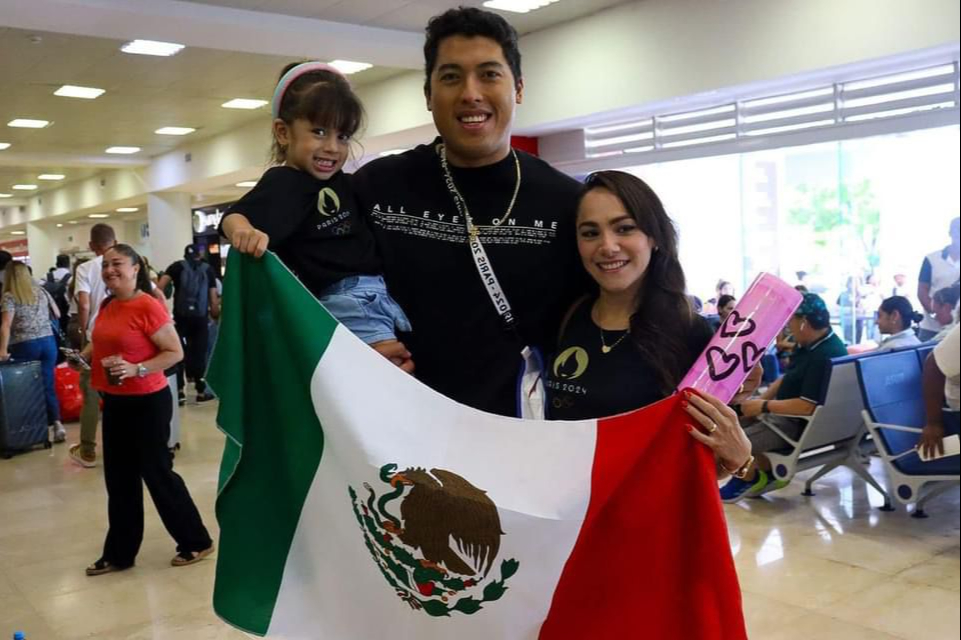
<point>74,357</point>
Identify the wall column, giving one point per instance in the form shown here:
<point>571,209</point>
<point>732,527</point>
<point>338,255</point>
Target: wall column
<point>171,227</point>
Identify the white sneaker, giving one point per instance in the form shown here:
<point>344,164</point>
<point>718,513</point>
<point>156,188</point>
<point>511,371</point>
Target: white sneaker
<point>59,433</point>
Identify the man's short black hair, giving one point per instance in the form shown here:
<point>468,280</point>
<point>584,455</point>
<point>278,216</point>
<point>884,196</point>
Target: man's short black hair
<point>470,22</point>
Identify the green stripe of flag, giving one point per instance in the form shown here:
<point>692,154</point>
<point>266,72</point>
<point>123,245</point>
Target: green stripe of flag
<point>273,333</point>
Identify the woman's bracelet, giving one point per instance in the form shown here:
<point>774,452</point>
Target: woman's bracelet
<point>743,470</point>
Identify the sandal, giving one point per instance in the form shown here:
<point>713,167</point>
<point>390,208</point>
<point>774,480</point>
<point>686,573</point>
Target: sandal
<point>102,566</point>
<point>183,558</point>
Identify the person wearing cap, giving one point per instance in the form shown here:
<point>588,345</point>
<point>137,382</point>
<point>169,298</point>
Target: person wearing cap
<point>793,394</point>
<point>195,296</point>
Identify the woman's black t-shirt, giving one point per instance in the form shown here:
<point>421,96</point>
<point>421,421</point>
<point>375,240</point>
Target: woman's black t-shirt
<point>584,382</point>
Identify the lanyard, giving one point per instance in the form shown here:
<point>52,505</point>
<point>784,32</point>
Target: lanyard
<point>481,261</point>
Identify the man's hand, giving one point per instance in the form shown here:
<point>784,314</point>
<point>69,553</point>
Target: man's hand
<point>396,352</point>
<point>751,408</point>
<point>751,383</point>
<point>932,440</point>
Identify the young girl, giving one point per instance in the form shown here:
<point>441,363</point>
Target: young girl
<point>304,209</point>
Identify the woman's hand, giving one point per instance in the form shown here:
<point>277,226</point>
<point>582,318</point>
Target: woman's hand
<point>715,425</point>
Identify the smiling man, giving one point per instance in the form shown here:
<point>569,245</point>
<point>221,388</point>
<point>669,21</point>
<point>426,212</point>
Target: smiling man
<point>418,204</point>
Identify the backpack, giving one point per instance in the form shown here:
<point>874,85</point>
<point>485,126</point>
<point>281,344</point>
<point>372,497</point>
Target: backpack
<point>58,291</point>
<point>192,290</point>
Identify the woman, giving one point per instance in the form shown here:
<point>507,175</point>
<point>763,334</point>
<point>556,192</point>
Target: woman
<point>896,318</point>
<point>631,342</point>
<point>26,333</point>
<point>944,303</point>
<point>133,342</point>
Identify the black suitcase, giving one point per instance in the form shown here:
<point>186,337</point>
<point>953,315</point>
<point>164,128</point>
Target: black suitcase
<point>23,409</point>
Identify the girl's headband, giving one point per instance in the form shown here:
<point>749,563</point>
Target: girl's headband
<point>289,77</point>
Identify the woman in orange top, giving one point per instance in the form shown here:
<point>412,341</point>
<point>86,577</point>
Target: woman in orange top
<point>133,342</point>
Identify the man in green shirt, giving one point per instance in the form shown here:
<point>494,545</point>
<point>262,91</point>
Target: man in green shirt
<point>793,394</point>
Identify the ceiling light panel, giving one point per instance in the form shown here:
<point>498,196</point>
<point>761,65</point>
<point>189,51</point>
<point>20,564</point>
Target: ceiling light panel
<point>122,150</point>
<point>518,6</point>
<point>243,103</point>
<point>28,123</point>
<point>4,145</point>
<point>348,67</point>
<point>152,48</point>
<point>99,215</point>
<point>246,184</point>
<point>18,233</point>
<point>127,209</point>
<point>51,176</point>
<point>6,195</point>
<point>174,131</point>
<point>24,187</point>
<point>72,91</point>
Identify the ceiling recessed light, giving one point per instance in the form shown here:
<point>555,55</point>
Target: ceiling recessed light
<point>517,6</point>
<point>246,184</point>
<point>152,48</point>
<point>123,149</point>
<point>24,187</point>
<point>18,233</point>
<point>4,145</point>
<point>174,131</point>
<point>59,224</point>
<point>72,222</point>
<point>71,91</point>
<point>349,66</point>
<point>243,103</point>
<point>51,176</point>
<point>28,123</point>
<point>6,195</point>
<point>391,152</point>
<point>99,215</point>
<point>128,209</point>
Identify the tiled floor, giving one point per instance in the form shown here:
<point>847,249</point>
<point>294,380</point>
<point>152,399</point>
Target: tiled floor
<point>828,567</point>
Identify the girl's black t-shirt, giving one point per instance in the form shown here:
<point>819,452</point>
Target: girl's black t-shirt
<point>584,382</point>
<point>315,226</point>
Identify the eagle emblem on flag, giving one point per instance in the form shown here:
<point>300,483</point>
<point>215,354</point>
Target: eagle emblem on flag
<point>412,529</point>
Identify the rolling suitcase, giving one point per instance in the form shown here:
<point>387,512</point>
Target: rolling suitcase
<point>23,410</point>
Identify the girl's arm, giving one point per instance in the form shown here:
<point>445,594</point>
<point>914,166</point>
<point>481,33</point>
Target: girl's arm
<point>243,236</point>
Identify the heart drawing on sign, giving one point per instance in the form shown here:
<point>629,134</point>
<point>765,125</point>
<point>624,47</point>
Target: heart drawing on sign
<point>728,362</point>
<point>750,354</point>
<point>730,327</point>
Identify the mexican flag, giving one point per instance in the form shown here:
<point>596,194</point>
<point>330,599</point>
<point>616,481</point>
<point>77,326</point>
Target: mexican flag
<point>356,503</point>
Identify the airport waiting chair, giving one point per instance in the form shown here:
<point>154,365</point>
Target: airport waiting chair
<point>890,386</point>
<point>833,434</point>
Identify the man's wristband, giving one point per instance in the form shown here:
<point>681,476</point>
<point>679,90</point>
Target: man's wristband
<point>764,408</point>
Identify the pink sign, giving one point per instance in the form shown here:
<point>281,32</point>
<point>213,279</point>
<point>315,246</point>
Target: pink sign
<point>743,337</point>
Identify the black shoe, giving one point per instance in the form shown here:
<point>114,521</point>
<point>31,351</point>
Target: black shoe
<point>181,399</point>
<point>205,396</point>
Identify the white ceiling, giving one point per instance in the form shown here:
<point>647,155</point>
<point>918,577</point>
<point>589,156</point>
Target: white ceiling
<point>47,43</point>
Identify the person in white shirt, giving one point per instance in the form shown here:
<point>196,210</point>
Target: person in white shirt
<point>940,269</point>
<point>896,319</point>
<point>90,292</point>
<point>941,380</point>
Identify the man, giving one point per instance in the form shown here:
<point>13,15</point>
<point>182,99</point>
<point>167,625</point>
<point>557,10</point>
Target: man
<point>941,385</point>
<point>940,269</point>
<point>5,258</point>
<point>56,284</point>
<point>793,394</point>
<point>90,292</point>
<point>195,296</point>
<point>523,211</point>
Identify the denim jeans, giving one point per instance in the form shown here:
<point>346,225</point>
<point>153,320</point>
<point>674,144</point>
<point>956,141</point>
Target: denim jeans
<point>45,350</point>
<point>362,304</point>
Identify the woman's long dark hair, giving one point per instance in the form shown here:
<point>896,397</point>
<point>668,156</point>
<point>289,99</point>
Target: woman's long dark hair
<point>143,277</point>
<point>663,318</point>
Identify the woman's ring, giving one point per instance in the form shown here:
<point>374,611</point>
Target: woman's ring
<point>712,428</point>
